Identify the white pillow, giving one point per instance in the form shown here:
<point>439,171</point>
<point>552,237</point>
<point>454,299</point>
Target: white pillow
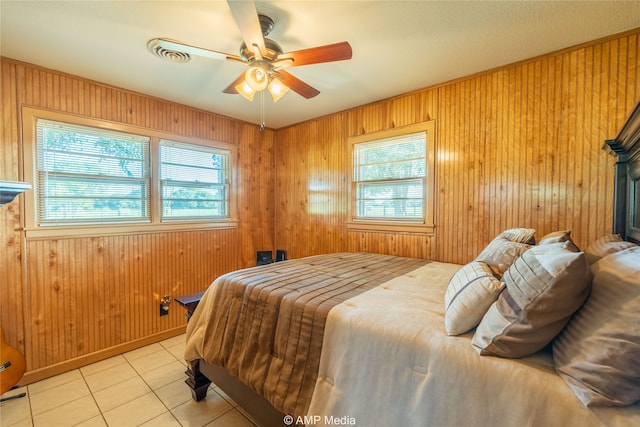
<point>469,294</point>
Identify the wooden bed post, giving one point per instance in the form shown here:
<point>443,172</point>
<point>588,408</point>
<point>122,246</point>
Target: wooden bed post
<point>197,382</point>
<point>620,188</point>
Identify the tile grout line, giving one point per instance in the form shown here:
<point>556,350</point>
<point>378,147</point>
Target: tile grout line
<point>30,406</point>
<point>151,388</point>
<point>93,398</point>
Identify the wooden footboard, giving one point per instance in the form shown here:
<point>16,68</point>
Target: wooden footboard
<point>200,375</point>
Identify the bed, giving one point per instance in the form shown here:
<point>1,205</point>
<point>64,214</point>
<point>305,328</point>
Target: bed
<point>532,332</point>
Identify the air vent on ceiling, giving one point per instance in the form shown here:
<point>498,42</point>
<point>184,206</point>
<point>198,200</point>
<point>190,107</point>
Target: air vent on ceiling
<point>166,54</point>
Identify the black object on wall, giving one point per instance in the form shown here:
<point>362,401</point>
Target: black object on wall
<point>281,255</point>
<point>264,257</point>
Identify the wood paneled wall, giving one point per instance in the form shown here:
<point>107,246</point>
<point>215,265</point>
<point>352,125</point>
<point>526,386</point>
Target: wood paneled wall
<point>66,302</point>
<point>520,146</point>
<point>310,187</point>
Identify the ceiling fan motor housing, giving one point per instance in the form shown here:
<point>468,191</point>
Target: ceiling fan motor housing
<point>266,24</point>
<point>273,49</point>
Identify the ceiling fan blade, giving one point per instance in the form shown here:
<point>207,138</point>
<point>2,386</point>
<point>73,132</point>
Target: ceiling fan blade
<point>297,85</point>
<point>246,17</point>
<point>232,87</point>
<point>193,50</point>
<point>316,55</point>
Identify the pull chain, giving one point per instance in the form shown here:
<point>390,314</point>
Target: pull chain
<point>262,124</point>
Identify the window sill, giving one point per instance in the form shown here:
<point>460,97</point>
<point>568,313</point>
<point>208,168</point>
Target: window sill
<point>391,227</point>
<point>93,230</point>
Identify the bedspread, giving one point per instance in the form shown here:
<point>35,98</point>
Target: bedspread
<point>265,325</point>
<point>387,361</point>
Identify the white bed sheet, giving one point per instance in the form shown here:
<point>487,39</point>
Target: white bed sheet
<point>387,361</point>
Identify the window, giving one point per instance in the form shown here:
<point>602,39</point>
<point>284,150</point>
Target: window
<point>96,177</point>
<point>194,181</point>
<point>389,176</point>
<point>392,187</point>
<point>88,175</point>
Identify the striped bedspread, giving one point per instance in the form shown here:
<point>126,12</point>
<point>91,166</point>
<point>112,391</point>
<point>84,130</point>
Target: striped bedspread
<point>265,325</point>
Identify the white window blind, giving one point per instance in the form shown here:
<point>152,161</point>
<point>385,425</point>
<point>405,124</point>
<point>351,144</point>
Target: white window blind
<point>90,175</point>
<point>194,181</point>
<point>389,178</point>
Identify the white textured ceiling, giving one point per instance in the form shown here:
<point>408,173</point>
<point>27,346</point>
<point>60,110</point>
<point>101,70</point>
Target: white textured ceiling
<point>398,46</point>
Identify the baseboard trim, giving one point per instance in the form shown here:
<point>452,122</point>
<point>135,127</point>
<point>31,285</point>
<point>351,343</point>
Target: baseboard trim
<point>78,362</point>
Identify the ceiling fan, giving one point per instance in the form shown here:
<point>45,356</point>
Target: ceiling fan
<point>265,57</point>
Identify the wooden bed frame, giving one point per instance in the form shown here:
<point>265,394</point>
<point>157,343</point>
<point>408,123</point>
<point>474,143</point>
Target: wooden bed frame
<point>626,222</point>
<point>626,215</point>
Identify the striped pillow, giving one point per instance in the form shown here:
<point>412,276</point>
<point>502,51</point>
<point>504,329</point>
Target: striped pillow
<point>469,294</point>
<point>500,253</point>
<point>505,248</point>
<point>558,237</point>
<point>597,353</point>
<point>604,246</point>
<point>520,235</point>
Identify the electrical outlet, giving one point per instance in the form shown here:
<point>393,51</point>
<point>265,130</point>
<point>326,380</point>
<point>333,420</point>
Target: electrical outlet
<point>164,305</point>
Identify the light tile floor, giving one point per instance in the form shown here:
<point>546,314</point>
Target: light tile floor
<point>144,387</point>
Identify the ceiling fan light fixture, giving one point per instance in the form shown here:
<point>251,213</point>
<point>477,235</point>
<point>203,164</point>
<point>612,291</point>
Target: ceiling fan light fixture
<point>257,76</point>
<point>277,88</point>
<point>245,90</point>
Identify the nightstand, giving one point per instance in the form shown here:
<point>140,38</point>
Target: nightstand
<point>190,302</point>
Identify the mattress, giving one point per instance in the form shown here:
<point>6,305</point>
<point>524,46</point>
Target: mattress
<point>265,325</point>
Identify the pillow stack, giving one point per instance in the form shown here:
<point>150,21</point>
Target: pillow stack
<point>543,288</point>
<point>517,294</point>
<point>521,297</point>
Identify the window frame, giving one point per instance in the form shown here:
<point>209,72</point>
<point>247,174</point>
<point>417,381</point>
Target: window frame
<point>35,230</point>
<point>420,226</point>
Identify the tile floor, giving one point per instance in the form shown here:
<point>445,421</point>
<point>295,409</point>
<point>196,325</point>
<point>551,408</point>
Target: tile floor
<point>144,387</point>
